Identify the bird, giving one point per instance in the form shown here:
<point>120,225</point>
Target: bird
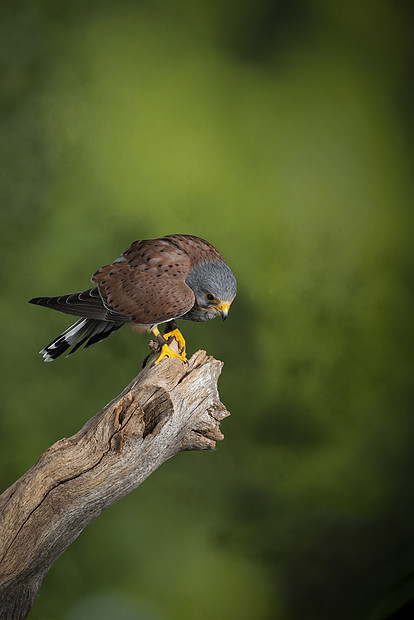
<point>154,282</point>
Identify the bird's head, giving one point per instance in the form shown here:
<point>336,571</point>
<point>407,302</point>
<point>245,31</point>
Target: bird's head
<point>214,286</point>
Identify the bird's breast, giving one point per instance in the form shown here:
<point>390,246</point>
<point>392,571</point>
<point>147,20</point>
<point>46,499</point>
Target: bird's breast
<point>198,314</point>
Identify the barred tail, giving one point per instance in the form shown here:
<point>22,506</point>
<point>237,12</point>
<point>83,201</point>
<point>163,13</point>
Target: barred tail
<point>83,331</point>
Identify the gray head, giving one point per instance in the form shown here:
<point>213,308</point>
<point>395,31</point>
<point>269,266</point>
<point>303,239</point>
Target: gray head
<point>214,286</point>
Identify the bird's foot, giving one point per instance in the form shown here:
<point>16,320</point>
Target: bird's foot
<point>175,333</point>
<point>167,352</point>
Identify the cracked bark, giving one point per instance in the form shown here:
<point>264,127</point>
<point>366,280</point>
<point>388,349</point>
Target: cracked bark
<point>165,410</point>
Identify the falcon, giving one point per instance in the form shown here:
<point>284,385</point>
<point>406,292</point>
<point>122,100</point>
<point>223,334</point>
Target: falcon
<point>154,282</point>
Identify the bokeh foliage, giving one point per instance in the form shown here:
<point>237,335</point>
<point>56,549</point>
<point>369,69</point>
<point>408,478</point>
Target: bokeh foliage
<point>281,132</point>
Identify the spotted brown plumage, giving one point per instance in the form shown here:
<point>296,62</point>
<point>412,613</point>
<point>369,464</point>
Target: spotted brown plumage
<point>154,281</point>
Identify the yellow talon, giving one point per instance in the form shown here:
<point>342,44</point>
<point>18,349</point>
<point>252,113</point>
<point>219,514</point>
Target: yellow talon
<point>179,338</point>
<point>166,351</point>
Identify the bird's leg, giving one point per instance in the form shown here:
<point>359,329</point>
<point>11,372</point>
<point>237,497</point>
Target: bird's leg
<point>165,349</point>
<point>172,331</point>
<point>170,326</point>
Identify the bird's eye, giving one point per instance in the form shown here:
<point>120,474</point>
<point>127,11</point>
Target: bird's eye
<point>210,297</point>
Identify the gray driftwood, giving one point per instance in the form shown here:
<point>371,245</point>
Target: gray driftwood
<point>166,409</point>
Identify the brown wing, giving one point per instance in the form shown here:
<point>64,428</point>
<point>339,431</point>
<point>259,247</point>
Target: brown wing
<point>197,249</point>
<point>148,285</point>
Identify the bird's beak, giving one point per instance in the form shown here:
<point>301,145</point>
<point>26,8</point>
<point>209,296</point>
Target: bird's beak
<point>223,310</point>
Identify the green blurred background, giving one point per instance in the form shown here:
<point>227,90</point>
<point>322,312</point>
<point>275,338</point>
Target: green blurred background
<point>282,133</point>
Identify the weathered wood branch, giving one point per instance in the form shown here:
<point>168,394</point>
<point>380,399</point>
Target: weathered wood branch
<point>166,409</point>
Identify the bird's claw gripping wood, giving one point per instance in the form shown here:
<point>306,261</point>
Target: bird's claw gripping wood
<point>166,351</point>
<point>175,333</point>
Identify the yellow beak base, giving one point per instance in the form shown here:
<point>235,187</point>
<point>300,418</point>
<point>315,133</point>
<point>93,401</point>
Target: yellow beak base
<point>223,310</point>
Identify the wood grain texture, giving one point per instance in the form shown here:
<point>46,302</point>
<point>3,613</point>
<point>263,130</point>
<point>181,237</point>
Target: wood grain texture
<point>166,409</point>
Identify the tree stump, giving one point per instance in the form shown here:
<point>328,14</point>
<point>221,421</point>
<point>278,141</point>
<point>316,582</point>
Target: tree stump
<point>167,408</point>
